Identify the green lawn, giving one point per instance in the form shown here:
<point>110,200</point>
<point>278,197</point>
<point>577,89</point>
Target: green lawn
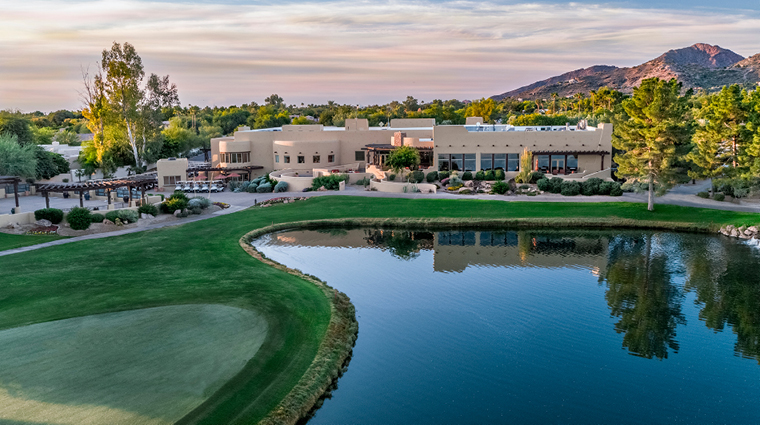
<point>17,241</point>
<point>202,262</point>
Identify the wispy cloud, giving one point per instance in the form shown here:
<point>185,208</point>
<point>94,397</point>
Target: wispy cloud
<point>348,51</point>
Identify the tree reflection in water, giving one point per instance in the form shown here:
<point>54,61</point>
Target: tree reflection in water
<point>640,291</point>
<point>402,244</point>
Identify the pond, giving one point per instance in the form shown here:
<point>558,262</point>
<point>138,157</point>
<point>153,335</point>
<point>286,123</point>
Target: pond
<point>540,326</point>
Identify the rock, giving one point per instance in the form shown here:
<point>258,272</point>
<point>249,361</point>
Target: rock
<point>43,223</point>
<point>744,236</point>
<point>177,213</point>
<point>150,216</point>
<point>752,229</point>
<point>469,183</point>
<point>742,229</point>
<point>462,189</point>
<point>108,222</point>
<point>322,189</point>
<point>734,233</point>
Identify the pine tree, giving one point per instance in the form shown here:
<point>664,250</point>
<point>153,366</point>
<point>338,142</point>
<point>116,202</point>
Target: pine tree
<point>654,135</point>
<point>721,138</point>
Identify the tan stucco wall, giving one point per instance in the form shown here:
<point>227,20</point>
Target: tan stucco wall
<point>176,167</point>
<point>412,122</point>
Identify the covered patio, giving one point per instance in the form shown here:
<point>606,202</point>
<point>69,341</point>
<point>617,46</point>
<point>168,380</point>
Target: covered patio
<point>141,182</point>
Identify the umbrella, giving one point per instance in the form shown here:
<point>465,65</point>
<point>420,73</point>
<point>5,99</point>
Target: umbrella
<point>232,175</point>
<point>200,178</point>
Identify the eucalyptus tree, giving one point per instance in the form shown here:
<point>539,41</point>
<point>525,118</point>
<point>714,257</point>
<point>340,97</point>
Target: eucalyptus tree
<point>654,135</point>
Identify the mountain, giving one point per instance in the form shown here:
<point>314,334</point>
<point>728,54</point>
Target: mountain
<point>701,66</point>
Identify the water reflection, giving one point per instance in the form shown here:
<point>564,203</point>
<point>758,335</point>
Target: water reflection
<point>646,275</point>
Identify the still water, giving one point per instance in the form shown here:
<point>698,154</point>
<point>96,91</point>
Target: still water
<point>540,326</point>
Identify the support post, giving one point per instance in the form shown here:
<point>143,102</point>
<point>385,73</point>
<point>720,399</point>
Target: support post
<point>81,198</point>
<point>47,199</point>
<point>15,191</point>
<point>602,163</point>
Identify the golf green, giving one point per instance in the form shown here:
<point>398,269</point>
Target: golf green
<point>147,366</point>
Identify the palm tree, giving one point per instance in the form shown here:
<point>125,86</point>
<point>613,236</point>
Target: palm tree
<point>555,95</point>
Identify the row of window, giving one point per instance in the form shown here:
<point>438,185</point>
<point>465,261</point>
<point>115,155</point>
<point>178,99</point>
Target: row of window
<point>172,180</point>
<point>315,159</point>
<point>22,187</point>
<point>468,162</point>
<point>235,157</point>
<point>468,238</point>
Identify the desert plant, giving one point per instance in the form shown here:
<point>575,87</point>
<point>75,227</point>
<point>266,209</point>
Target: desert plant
<point>480,175</point>
<point>416,176</point>
<point>590,187</point>
<point>283,187</point>
<point>391,177</point>
<point>703,195</point>
<point>331,182</point>
<point>499,174</point>
<point>148,209</point>
<point>79,218</point>
<point>526,164</point>
<point>467,175</point>
<point>543,185</point>
<point>524,186</point>
<point>719,197</point>
<point>443,175</point>
<point>199,201</point>
<point>534,177</point>
<point>615,189</point>
<point>489,175</point>
<point>126,216</point>
<point>570,188</point>
<point>500,188</point>
<point>178,201</point>
<point>54,215</point>
<point>252,188</point>
<point>431,176</point>
<point>455,180</point>
<point>264,188</point>
<point>97,218</point>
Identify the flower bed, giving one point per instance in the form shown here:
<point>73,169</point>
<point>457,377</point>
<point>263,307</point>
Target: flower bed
<point>222,205</point>
<point>39,230</point>
<point>283,200</point>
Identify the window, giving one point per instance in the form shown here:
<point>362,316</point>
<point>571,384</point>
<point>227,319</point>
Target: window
<point>301,159</point>
<point>469,162</point>
<point>500,161</point>
<point>277,158</point>
<point>444,162</point>
<point>235,157</point>
<point>358,156</point>
<point>315,159</point>
<point>286,159</point>
<point>486,161</point>
<point>542,162</point>
<point>513,162</point>
<point>171,179</point>
<point>572,163</point>
<point>331,158</point>
<point>457,161</point>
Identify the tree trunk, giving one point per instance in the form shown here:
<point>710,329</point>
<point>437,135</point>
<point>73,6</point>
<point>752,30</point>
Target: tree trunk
<point>650,202</point>
<point>133,142</point>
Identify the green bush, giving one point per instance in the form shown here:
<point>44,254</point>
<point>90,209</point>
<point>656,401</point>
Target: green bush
<point>570,188</point>
<point>431,176</point>
<point>489,175</point>
<point>531,193</point>
<point>79,218</point>
<point>199,201</point>
<point>480,175</point>
<point>283,187</point>
<point>416,176</point>
<point>467,175</point>
<point>331,182</point>
<point>97,218</point>
<point>392,177</point>
<point>616,190</point>
<point>264,188</point>
<point>54,215</point>
<point>148,209</point>
<point>252,187</point>
<point>719,197</point>
<point>555,185</point>
<point>465,192</point>
<point>443,175</point>
<point>535,177</point>
<point>543,185</point>
<point>126,216</point>
<point>524,186</point>
<point>500,188</point>
<point>605,188</point>
<point>703,195</point>
<point>590,187</point>
<point>499,175</point>
<point>194,209</point>
<point>178,201</point>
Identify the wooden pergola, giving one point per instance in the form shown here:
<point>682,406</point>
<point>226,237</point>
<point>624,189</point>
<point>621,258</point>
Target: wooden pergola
<point>14,181</point>
<point>142,182</point>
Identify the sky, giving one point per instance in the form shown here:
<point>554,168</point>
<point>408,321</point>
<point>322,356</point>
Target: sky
<point>349,51</point>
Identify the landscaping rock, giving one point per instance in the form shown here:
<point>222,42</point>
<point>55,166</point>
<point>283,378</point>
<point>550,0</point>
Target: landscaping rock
<point>177,213</point>
<point>752,229</point>
<point>43,223</point>
<point>146,216</point>
<point>108,222</point>
<point>469,183</point>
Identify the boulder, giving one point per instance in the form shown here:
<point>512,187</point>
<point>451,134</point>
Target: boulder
<point>752,229</point>
<point>108,222</point>
<point>469,183</point>
<point>177,213</point>
<point>734,233</point>
<point>43,223</point>
<point>322,189</point>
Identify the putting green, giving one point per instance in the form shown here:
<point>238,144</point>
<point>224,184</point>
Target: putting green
<point>149,366</point>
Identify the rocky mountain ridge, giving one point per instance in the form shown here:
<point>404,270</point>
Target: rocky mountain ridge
<point>700,66</point>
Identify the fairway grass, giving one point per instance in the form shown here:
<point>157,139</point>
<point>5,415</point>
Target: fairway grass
<point>149,366</point>
<point>17,241</point>
<point>203,263</point>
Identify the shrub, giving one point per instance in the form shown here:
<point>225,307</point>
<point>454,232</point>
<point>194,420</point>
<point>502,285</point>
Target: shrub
<point>416,176</point>
<point>331,182</point>
<point>616,190</point>
<point>199,201</point>
<point>467,176</point>
<point>126,216</point>
<point>534,177</point>
<point>178,201</point>
<point>719,197</point>
<point>431,176</point>
<point>590,187</point>
<point>499,175</point>
<point>570,188</point>
<point>465,192</point>
<point>445,181</point>
<point>283,186</point>
<point>264,188</point>
<point>524,186</point>
<point>500,188</point>
<point>489,175</point>
<point>194,209</point>
<point>703,195</point>
<point>148,209</point>
<point>233,185</point>
<point>455,180</point>
<point>54,215</point>
<point>79,218</point>
<point>392,177</point>
<point>252,188</point>
<point>605,188</point>
<point>480,175</point>
<point>97,218</point>
<point>443,174</point>
<point>543,185</point>
<point>555,185</point>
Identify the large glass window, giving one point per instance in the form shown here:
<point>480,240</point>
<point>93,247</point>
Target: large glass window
<point>558,164</point>
<point>542,163</point>
<point>486,161</point>
<point>235,157</point>
<point>315,159</point>
<point>572,163</point>
<point>470,162</point>
<point>457,161</point>
<point>500,161</point>
<point>444,162</point>
<point>513,162</point>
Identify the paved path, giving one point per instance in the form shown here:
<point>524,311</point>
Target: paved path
<point>682,195</point>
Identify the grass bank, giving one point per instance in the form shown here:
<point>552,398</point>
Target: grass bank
<point>203,262</point>
<point>17,241</point>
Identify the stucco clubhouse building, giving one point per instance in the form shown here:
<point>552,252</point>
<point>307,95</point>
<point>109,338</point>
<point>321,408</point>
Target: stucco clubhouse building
<point>569,151</point>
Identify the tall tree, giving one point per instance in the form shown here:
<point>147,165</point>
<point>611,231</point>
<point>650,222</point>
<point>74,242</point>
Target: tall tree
<point>481,108</point>
<point>654,135</point>
<point>17,160</point>
<point>721,137</point>
<point>17,125</point>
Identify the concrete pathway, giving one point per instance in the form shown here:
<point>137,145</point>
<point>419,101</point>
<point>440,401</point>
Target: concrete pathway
<point>683,195</point>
